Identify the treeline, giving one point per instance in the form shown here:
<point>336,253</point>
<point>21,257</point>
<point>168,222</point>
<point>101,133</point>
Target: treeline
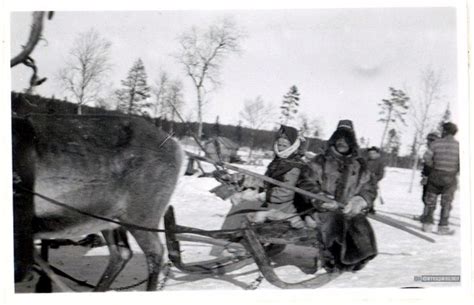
<point>242,136</point>
<point>23,104</point>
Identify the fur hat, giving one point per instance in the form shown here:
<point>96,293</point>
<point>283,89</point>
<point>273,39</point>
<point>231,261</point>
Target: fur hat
<point>290,132</point>
<point>345,128</point>
<point>450,128</point>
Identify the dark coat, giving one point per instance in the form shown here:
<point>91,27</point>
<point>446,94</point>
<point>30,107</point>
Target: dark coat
<point>377,168</point>
<point>349,242</point>
<point>285,170</point>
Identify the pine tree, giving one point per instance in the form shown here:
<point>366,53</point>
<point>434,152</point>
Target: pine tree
<point>289,107</point>
<point>393,109</point>
<point>446,118</point>
<point>134,96</point>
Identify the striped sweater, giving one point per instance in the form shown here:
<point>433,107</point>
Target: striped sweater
<point>443,155</point>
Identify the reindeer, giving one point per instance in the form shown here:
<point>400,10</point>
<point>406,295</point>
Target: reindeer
<point>119,167</point>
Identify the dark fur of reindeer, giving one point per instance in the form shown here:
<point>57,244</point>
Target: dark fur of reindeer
<point>122,168</point>
<point>117,167</point>
<point>23,208</point>
<point>23,170</point>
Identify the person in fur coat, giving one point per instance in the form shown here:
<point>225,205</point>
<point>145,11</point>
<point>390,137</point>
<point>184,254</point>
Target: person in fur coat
<point>342,176</point>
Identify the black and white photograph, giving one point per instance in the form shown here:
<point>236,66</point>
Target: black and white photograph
<point>243,150</point>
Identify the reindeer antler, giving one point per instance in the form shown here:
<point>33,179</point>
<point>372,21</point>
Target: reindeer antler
<point>35,35</point>
<point>24,56</point>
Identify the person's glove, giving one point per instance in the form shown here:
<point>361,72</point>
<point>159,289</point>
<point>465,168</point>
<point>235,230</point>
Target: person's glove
<point>296,222</point>
<point>262,216</point>
<point>251,182</point>
<point>258,217</point>
<point>424,180</point>
<point>355,206</point>
<point>310,222</point>
<point>224,176</point>
<point>328,205</point>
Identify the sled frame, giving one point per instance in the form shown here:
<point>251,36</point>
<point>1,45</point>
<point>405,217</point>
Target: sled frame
<point>251,239</point>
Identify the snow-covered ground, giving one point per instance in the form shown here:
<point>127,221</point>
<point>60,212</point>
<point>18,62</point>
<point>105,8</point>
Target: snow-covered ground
<point>402,256</point>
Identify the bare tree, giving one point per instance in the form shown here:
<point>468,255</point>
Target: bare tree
<point>175,99</point>
<point>423,111</point>
<point>169,97</point>
<point>160,107</point>
<point>86,68</point>
<point>309,127</point>
<point>202,54</point>
<point>256,114</point>
<point>317,127</point>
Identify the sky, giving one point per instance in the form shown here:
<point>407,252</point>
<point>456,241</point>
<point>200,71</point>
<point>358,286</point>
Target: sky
<point>342,60</point>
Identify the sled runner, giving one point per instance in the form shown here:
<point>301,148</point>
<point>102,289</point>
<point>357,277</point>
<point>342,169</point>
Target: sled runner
<point>251,240</point>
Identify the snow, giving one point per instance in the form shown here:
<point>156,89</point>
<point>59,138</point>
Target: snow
<point>402,256</point>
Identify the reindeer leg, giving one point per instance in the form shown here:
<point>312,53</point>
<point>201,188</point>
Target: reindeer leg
<point>50,274</point>
<point>151,245</point>
<point>213,267</point>
<point>120,254</point>
<point>44,283</point>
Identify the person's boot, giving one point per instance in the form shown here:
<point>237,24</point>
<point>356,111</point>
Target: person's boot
<point>422,217</point>
<point>445,230</point>
<point>427,227</point>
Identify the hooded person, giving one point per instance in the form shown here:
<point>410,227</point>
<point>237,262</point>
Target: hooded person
<point>342,176</point>
<point>275,202</point>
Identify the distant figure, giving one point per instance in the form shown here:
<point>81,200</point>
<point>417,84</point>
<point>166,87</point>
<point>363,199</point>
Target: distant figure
<point>376,167</point>
<point>430,138</point>
<point>375,164</point>
<point>443,159</point>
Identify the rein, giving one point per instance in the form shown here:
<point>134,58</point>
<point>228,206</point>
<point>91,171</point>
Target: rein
<point>142,228</point>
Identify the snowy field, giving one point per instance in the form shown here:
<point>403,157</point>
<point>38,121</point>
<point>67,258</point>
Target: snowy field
<point>401,258</point>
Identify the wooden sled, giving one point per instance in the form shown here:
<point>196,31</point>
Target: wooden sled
<point>252,239</point>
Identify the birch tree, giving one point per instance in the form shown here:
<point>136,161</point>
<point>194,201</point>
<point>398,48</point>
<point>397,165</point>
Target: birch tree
<point>202,53</point>
<point>424,112</point>
<point>86,68</point>
<point>256,114</point>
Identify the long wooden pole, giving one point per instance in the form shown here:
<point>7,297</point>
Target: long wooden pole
<point>259,176</point>
<point>383,219</point>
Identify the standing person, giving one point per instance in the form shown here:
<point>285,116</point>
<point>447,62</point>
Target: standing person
<point>375,164</point>
<point>443,159</point>
<point>430,138</point>
<point>340,173</point>
<point>376,167</point>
